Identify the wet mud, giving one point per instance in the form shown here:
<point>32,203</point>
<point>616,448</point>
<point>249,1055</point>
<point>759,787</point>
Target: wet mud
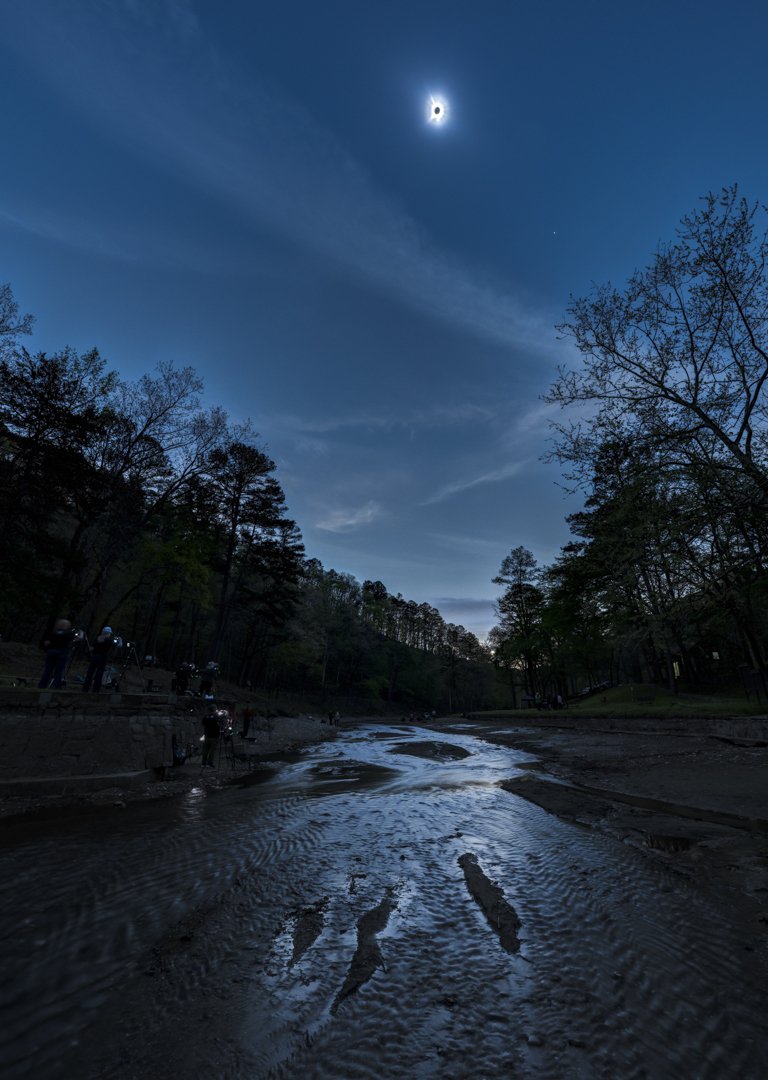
<point>437,751</point>
<point>501,916</point>
<point>368,954</point>
<point>307,928</point>
<point>368,912</point>
<point>560,799</point>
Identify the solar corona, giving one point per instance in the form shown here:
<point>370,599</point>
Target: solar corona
<point>437,111</point>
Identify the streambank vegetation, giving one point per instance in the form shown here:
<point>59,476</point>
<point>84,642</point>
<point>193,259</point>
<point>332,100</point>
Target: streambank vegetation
<point>665,433</point>
<point>135,504</point>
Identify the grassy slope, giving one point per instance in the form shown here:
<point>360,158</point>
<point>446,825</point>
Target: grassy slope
<point>639,700</point>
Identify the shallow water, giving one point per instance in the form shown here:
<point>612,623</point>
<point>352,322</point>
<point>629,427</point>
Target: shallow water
<point>217,935</point>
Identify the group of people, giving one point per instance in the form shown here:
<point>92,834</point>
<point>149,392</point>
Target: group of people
<point>186,672</point>
<point>420,718</point>
<point>60,641</point>
<point>58,647</point>
<point>551,701</point>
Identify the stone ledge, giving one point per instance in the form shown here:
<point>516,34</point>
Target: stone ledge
<point>60,785</point>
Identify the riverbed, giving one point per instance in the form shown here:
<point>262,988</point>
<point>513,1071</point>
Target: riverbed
<point>376,906</point>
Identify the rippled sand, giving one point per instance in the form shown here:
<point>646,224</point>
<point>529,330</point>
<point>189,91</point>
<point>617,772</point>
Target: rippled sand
<point>328,923</point>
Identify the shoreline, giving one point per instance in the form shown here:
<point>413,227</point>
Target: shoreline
<point>697,800</point>
<point>287,735</point>
<point>696,803</point>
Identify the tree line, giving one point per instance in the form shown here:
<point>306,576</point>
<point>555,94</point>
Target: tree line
<point>665,579</point>
<point>134,504</point>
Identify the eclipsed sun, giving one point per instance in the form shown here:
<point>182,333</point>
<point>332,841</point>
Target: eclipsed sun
<point>437,110</point>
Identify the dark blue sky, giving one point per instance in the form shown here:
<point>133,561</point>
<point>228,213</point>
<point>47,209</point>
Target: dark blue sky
<point>253,189</point>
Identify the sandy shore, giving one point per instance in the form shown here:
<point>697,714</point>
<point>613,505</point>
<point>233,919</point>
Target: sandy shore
<point>459,926</point>
<point>697,802</point>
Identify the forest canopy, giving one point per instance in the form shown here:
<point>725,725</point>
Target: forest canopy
<point>665,578</point>
<point>137,505</point>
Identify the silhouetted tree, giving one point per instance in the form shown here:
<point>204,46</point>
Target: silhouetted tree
<point>520,610</point>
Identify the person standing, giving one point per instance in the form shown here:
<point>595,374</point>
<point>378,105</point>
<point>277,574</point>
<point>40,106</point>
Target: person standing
<point>100,653</point>
<point>206,679</point>
<point>210,739</point>
<point>57,646</point>
<point>247,715</point>
<point>183,673</point>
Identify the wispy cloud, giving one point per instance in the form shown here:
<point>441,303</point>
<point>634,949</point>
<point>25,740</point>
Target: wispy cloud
<point>44,225</point>
<point>493,477</point>
<point>105,240</point>
<point>475,545</point>
<point>308,444</point>
<point>474,613</point>
<point>533,427</point>
<point>434,417</point>
<point>266,156</point>
<point>345,520</point>
<point>534,419</point>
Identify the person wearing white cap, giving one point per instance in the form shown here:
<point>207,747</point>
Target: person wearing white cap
<point>100,651</point>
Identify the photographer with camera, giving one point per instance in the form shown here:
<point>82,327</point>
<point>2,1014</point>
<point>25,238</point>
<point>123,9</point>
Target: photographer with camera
<point>216,725</point>
<point>184,672</point>
<point>57,646</point>
<point>206,679</point>
<point>100,653</point>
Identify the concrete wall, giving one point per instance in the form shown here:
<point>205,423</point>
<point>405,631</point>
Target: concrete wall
<point>62,734</point>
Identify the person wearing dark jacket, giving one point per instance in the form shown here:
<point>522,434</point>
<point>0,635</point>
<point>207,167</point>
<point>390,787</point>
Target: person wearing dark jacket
<point>211,732</point>
<point>100,653</point>
<point>57,646</point>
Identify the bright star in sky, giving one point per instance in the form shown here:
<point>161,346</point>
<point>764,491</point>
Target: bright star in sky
<point>437,110</point>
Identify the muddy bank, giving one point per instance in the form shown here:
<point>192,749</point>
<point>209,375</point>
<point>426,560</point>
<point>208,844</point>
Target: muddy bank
<point>697,802</point>
<point>436,751</point>
<point>373,913</point>
<point>696,770</point>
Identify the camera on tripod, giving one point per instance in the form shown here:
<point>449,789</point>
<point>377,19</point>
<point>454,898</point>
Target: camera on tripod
<point>128,658</point>
<point>226,726</point>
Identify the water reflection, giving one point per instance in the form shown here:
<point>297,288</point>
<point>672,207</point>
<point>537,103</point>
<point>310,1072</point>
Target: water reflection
<point>192,805</point>
<point>189,905</point>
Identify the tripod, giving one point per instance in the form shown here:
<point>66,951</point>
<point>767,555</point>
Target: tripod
<point>214,761</point>
<point>79,647</point>
<point>129,656</point>
<point>225,736</point>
